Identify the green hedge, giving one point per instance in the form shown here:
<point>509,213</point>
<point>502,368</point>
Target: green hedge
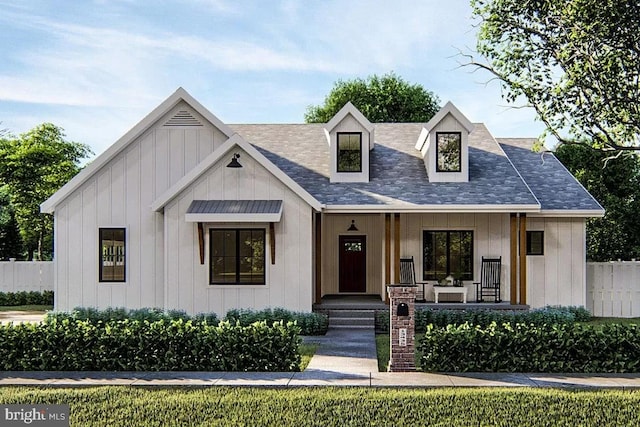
<point>26,298</point>
<point>115,314</point>
<point>140,345</point>
<point>564,348</point>
<point>309,323</point>
<point>443,318</point>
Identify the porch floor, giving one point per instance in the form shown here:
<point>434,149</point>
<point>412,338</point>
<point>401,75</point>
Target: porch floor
<point>374,302</point>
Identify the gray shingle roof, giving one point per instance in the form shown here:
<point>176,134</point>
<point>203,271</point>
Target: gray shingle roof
<point>549,180</point>
<point>398,176</point>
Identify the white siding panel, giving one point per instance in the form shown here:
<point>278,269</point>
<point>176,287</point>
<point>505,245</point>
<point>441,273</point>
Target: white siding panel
<point>161,152</point>
<point>191,147</point>
<point>132,211</point>
<point>63,284</point>
<point>172,238</point>
<point>74,238</point>
<point>186,257</point>
<point>103,204</point>
<point>176,155</point>
<point>205,143</point>
<point>90,251</point>
<point>118,218</point>
<point>147,259</point>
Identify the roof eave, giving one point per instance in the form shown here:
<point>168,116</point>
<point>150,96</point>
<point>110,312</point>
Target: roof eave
<point>440,208</point>
<point>570,213</point>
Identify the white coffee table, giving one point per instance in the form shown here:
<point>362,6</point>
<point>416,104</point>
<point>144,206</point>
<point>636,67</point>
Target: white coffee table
<point>461,290</point>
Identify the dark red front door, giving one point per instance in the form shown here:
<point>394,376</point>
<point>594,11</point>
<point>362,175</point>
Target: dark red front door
<point>353,264</point>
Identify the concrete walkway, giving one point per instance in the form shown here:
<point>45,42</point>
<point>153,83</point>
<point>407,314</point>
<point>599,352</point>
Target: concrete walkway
<point>345,357</point>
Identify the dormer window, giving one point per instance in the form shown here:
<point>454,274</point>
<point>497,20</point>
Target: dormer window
<point>349,152</point>
<point>448,151</point>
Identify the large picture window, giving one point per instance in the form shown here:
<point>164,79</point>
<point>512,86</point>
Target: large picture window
<point>448,253</point>
<point>112,256</point>
<point>237,256</point>
<point>349,152</point>
<point>448,151</point>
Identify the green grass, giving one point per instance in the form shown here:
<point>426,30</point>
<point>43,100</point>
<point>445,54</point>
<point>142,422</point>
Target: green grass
<point>31,308</point>
<point>229,406</point>
<point>306,351</point>
<point>383,351</point>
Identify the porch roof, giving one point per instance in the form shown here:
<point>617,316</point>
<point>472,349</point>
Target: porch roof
<point>234,211</point>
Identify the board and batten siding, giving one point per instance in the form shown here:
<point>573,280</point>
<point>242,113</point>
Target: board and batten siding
<point>119,195</point>
<point>558,277</point>
<point>289,280</point>
<point>491,237</point>
<point>336,225</point>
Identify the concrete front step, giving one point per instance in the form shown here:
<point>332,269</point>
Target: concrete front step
<point>355,319</point>
<point>369,314</point>
<point>366,327</point>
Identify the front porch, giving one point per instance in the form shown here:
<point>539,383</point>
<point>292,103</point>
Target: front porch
<point>358,254</point>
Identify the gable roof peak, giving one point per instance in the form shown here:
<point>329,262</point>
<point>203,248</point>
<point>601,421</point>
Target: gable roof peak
<point>180,95</point>
<point>449,108</point>
<point>348,109</point>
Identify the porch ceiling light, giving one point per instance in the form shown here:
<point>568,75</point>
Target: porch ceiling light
<point>234,162</point>
<point>352,227</point>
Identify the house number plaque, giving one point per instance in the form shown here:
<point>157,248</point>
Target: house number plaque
<point>402,337</point>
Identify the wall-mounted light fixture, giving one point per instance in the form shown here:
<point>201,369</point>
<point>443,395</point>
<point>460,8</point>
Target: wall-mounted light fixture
<point>234,162</point>
<point>352,227</point>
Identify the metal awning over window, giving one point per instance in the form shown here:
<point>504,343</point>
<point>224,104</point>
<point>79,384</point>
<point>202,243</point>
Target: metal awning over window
<point>234,211</point>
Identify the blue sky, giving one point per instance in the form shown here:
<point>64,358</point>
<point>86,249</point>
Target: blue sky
<point>97,67</point>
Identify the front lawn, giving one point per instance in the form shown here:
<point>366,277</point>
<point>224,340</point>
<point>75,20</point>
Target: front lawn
<point>230,406</point>
<point>306,353</point>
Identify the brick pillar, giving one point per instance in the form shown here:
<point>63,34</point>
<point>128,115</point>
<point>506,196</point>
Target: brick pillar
<point>402,328</point>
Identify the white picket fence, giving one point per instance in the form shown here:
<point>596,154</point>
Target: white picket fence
<point>613,288</point>
<point>17,276</point>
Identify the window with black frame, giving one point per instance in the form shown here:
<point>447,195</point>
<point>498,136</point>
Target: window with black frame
<point>112,256</point>
<point>448,151</point>
<point>349,152</point>
<point>535,242</point>
<point>447,252</point>
<point>237,256</point>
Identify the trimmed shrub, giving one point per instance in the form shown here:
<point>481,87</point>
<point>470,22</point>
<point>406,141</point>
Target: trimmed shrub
<point>309,323</point>
<point>140,345</point>
<point>26,298</point>
<point>116,314</point>
<point>566,348</point>
<point>443,318</point>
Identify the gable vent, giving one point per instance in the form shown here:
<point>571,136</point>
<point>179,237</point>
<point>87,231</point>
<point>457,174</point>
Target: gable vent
<point>183,118</point>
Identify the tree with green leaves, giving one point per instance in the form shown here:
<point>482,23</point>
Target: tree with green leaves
<point>32,168</point>
<point>10,240</point>
<point>387,98</point>
<point>617,188</point>
<point>576,62</point>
